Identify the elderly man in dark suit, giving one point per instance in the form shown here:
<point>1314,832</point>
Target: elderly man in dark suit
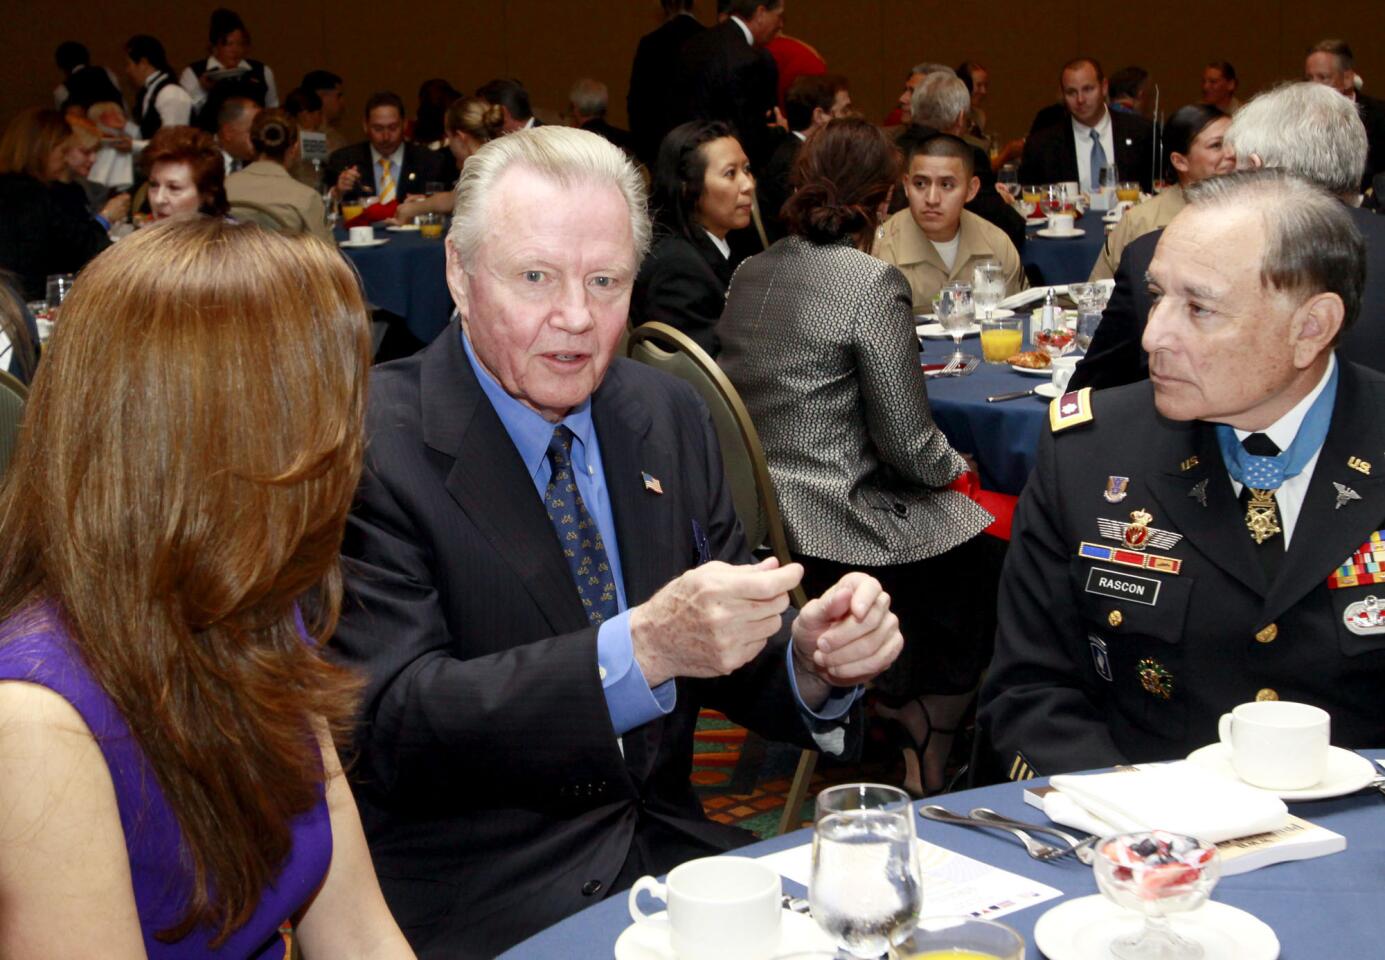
<point>726,74</point>
<point>1331,63</point>
<point>1205,538</point>
<point>1302,128</point>
<point>384,164</point>
<point>546,579</point>
<point>654,103</point>
<point>1093,137</point>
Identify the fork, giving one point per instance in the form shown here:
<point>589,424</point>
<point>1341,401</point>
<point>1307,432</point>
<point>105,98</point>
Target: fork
<point>1036,848</point>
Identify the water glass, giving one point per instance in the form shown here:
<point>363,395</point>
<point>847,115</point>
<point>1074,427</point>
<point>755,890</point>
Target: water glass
<point>988,286</point>
<point>865,888</point>
<point>1087,322</point>
<point>59,285</point>
<point>956,313</point>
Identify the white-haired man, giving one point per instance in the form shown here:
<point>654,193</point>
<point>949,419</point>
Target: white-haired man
<point>1208,537</point>
<point>547,578</point>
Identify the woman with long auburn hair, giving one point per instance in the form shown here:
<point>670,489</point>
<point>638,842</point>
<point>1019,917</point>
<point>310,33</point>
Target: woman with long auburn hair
<point>172,519</point>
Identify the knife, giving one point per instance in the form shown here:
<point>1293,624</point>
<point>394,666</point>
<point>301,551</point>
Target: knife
<point>1011,396</point>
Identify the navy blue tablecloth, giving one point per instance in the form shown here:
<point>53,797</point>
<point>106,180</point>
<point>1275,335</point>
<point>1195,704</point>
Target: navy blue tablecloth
<point>1326,907</point>
<point>1003,437</point>
<point>407,277</point>
<point>1068,260</point>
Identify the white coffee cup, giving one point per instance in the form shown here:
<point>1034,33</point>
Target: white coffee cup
<point>1062,368</point>
<point>1277,744</point>
<point>719,908</point>
<point>362,234</point>
<point>1061,222</point>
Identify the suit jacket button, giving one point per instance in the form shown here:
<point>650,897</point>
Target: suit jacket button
<point>1268,634</point>
<point>1114,618</point>
<point>591,888</point>
<point>1265,693</point>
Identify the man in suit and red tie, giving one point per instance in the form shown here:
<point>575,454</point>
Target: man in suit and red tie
<point>546,579</point>
<point>1094,137</point>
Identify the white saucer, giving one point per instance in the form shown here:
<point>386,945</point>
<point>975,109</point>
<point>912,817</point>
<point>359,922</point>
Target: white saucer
<point>935,331</point>
<point>1081,929</point>
<point>355,245</point>
<point>798,933</point>
<point>1046,390</point>
<point>1347,772</point>
<point>401,227</point>
<point>1033,371</point>
<point>1112,216</point>
<point>1061,234</point>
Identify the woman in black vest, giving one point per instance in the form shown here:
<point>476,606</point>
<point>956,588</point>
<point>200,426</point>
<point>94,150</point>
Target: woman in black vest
<point>229,67</point>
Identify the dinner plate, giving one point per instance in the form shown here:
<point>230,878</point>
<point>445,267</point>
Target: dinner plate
<point>1032,371</point>
<point>1083,929</point>
<point>401,227</point>
<point>651,940</point>
<point>354,244</point>
<point>1347,772</point>
<point>1061,234</point>
<point>935,331</point>
<point>1046,390</point>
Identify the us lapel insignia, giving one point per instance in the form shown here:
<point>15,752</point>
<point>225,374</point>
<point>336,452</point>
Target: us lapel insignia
<point>1199,492</point>
<point>1188,464</point>
<point>651,483</point>
<point>1155,678</point>
<point>1363,466</point>
<point>1344,494</point>
<point>1365,617</point>
<point>1138,534</point>
<point>1364,567</point>
<point>1070,409</point>
<point>1116,488</point>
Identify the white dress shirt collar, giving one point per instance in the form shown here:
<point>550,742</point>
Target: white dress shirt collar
<point>1102,127</point>
<point>396,158</point>
<point>749,37</point>
<point>719,243</point>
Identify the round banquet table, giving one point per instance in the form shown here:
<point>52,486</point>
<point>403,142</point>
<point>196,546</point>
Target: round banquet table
<point>1327,906</point>
<point>1003,437</point>
<point>406,277</point>
<point>1067,260</point>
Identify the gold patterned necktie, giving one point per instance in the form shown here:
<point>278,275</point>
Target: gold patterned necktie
<point>386,181</point>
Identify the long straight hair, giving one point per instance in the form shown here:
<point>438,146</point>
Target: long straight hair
<point>181,483</point>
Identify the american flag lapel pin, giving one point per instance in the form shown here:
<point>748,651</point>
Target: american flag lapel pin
<point>651,483</point>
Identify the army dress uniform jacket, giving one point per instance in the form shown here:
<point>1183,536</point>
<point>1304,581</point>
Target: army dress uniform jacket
<point>1099,663</point>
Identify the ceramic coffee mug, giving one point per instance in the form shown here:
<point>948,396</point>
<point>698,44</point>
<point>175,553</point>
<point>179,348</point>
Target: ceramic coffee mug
<point>1061,223</point>
<point>362,234</point>
<point>1062,371</point>
<point>719,908</point>
<point>1277,744</point>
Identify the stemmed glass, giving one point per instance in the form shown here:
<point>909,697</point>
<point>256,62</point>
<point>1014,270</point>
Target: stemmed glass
<point>1055,199</point>
<point>987,286</point>
<point>1053,336</point>
<point>1156,873</point>
<point>956,313</point>
<point>865,889</point>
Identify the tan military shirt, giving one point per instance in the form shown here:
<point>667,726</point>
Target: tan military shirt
<point>902,243</point>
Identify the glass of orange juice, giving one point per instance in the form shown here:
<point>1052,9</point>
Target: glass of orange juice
<point>351,209</point>
<point>1128,191</point>
<point>962,938</point>
<point>1001,338</point>
<point>430,225</point>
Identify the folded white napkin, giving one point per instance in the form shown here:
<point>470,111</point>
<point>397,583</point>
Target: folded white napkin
<point>1181,797</point>
<point>1016,300</point>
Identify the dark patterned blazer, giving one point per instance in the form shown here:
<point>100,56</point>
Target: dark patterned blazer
<point>819,340</point>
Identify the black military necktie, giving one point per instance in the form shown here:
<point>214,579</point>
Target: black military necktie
<point>578,533</point>
<point>1262,511</point>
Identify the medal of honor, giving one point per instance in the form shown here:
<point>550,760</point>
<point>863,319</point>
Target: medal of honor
<point>1262,517</point>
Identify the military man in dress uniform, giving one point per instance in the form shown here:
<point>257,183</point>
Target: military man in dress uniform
<point>1214,535</point>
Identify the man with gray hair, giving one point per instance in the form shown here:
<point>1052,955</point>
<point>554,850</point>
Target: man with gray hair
<point>587,102</point>
<point>1300,127</point>
<point>546,579</point>
<point>1332,64</point>
<point>1238,564</point>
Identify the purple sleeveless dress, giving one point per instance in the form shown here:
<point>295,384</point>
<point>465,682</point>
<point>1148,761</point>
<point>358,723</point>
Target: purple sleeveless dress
<point>35,647</point>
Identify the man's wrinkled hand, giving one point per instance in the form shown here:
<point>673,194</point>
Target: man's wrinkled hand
<point>848,635</point>
<point>711,620</point>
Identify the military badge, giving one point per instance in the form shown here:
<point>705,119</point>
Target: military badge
<point>1070,409</point>
<point>1138,534</point>
<point>1344,495</point>
<point>1100,658</point>
<point>1155,678</point>
<point>1199,492</point>
<point>1366,566</point>
<point>1365,617</point>
<point>1115,489</point>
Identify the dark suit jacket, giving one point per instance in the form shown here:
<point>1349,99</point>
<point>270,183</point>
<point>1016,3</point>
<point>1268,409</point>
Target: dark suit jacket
<point>1050,155</point>
<point>683,283</point>
<point>724,78</point>
<point>1115,356</point>
<point>621,138</point>
<point>493,793</point>
<point>1073,687</point>
<point>1048,116</point>
<point>987,204</point>
<point>655,101</point>
<point>1373,117</point>
<point>41,234</point>
<point>772,186</point>
<point>421,165</point>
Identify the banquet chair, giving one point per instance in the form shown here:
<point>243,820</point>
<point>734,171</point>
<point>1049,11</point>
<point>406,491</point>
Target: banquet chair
<point>248,211</point>
<point>13,395</point>
<point>752,490</point>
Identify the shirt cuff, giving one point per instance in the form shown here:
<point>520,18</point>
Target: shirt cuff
<point>105,224</point>
<point>839,699</point>
<point>629,699</point>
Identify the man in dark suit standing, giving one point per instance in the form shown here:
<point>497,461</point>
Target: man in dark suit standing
<point>812,101</point>
<point>383,164</point>
<point>1204,539</point>
<point>1301,128</point>
<point>654,102</point>
<point>1093,137</point>
<point>726,74</point>
<point>587,102</point>
<point>1332,64</point>
<point>547,579</point>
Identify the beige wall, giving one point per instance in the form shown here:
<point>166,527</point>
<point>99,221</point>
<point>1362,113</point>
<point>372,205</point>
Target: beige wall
<point>549,43</point>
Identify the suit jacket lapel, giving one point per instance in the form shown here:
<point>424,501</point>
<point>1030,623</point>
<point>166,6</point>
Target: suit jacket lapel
<point>1324,534</point>
<point>489,482</point>
<point>1215,530</point>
